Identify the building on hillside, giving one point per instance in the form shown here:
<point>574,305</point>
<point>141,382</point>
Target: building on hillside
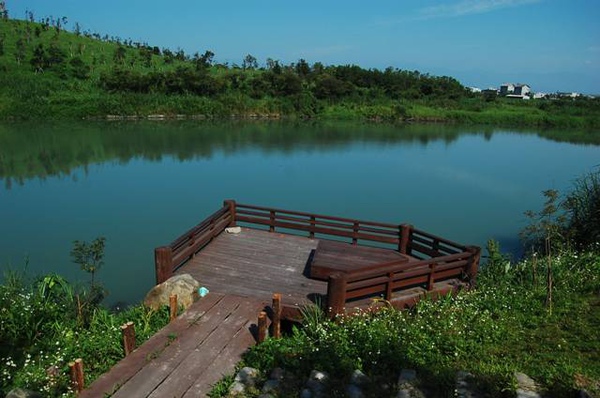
<point>507,88</point>
<point>519,90</point>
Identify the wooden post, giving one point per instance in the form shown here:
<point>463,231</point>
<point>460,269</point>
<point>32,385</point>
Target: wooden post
<point>473,263</point>
<point>232,211</point>
<point>128,333</point>
<point>76,371</point>
<point>276,315</point>
<point>312,227</point>
<point>405,231</point>
<point>172,307</point>
<point>355,233</point>
<point>431,276</point>
<point>272,221</point>
<point>336,293</point>
<point>389,287</point>
<point>163,263</point>
<point>262,326</point>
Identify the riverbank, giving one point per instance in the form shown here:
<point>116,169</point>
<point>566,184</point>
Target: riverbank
<point>48,73</point>
<point>506,326</point>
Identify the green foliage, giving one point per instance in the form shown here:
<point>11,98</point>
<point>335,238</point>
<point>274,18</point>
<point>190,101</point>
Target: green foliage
<point>41,333</point>
<point>492,331</point>
<point>107,69</point>
<point>89,256</point>
<point>582,205</point>
<point>547,228</point>
<point>573,219</point>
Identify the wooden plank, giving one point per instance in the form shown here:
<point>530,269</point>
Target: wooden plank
<point>124,370</point>
<point>210,348</point>
<point>223,365</point>
<point>155,372</point>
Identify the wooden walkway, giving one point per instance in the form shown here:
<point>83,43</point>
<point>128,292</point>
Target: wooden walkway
<point>188,356</point>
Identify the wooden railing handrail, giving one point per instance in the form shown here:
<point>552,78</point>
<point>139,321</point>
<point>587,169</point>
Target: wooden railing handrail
<point>168,258</point>
<point>376,270</point>
<point>436,257</point>
<point>321,216</point>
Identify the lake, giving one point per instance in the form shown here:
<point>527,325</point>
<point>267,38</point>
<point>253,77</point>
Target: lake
<point>141,184</point>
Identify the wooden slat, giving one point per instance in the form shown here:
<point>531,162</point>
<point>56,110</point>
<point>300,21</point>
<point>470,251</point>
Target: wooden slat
<point>133,363</point>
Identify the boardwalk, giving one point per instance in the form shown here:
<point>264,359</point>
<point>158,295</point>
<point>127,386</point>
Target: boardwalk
<point>189,355</point>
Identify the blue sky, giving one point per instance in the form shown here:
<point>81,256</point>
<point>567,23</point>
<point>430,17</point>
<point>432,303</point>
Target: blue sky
<point>553,45</point>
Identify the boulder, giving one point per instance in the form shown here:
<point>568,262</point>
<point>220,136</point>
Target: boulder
<point>23,393</point>
<point>184,286</point>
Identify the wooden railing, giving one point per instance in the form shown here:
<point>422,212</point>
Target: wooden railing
<point>435,258</point>
<point>320,226</point>
<point>382,280</point>
<point>168,258</point>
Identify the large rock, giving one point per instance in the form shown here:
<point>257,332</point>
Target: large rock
<point>184,286</point>
<point>23,393</point>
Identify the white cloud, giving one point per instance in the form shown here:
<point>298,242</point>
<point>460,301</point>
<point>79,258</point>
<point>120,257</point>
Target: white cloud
<point>470,7</point>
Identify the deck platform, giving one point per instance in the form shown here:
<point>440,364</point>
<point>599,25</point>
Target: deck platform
<point>256,263</point>
<point>277,251</point>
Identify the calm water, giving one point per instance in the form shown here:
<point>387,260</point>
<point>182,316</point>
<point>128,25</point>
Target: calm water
<point>142,184</point>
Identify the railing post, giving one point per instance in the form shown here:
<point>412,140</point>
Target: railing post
<point>313,223</point>
<point>355,233</point>
<point>77,378</point>
<point>128,334</point>
<point>405,232</point>
<point>232,211</point>
<point>262,327</point>
<point>336,293</point>
<point>163,263</point>
<point>272,221</point>
<point>276,315</point>
<point>431,277</point>
<point>173,307</point>
<point>389,287</point>
<point>473,263</point>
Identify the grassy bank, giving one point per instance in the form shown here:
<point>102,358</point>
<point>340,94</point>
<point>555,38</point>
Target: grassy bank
<point>503,326</point>
<point>51,73</point>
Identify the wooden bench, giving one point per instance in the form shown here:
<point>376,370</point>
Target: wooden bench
<point>331,256</point>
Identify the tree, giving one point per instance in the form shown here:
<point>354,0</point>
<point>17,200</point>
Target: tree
<point>20,50</point>
<point>1,45</point>
<point>302,68</point>
<point>89,256</point>
<point>119,56</point>
<point>249,62</point>
<point>39,59</point>
<point>78,68</point>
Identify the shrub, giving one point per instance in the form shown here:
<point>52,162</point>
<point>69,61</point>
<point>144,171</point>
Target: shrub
<point>583,209</point>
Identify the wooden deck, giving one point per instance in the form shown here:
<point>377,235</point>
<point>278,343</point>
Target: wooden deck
<point>243,270</point>
<point>257,264</point>
<point>188,356</point>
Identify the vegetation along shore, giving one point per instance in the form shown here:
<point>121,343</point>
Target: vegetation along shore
<point>49,72</point>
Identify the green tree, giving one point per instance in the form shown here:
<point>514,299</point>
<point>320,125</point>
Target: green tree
<point>78,68</point>
<point>20,50</point>
<point>249,62</point>
<point>89,256</point>
<point>39,59</point>
<point>119,56</point>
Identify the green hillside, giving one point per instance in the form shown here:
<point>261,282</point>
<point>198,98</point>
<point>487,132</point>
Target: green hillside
<point>48,72</point>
